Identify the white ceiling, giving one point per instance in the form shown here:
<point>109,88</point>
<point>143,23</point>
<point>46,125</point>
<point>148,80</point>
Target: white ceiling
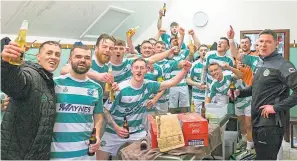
<point>78,19</point>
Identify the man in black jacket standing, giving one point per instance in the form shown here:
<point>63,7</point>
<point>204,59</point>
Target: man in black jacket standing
<point>27,125</point>
<point>273,78</point>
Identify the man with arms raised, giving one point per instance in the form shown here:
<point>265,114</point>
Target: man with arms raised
<point>130,102</point>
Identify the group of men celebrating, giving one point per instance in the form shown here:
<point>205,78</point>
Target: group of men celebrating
<point>52,118</point>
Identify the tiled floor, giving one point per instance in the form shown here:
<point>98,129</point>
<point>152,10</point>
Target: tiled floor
<point>288,152</point>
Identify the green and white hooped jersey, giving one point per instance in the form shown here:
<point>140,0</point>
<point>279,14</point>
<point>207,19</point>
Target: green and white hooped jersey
<point>122,72</point>
<point>77,101</point>
<point>195,75</point>
<point>214,57</point>
<point>156,75</point>
<point>98,68</point>
<point>181,56</point>
<point>167,66</point>
<point>219,89</point>
<point>242,103</point>
<point>131,102</point>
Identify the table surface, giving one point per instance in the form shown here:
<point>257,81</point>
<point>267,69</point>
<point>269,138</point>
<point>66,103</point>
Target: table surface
<point>175,153</point>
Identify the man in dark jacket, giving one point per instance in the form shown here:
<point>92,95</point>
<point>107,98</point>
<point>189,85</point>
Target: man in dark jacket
<point>27,125</point>
<point>273,78</point>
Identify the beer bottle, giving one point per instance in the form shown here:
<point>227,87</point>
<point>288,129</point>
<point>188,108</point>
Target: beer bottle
<point>192,106</point>
<point>21,41</point>
<point>132,31</point>
<point>203,110</point>
<point>126,126</point>
<point>143,144</point>
<point>92,140</point>
<point>232,88</point>
<point>107,87</point>
<point>164,9</point>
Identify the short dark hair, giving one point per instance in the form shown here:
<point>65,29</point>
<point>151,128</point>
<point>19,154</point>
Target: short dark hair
<point>104,37</point>
<point>146,41</point>
<point>173,24</point>
<point>225,38</point>
<point>202,45</point>
<point>171,39</point>
<point>139,59</point>
<point>247,37</point>
<point>50,43</point>
<point>120,42</point>
<point>269,32</point>
<point>152,39</point>
<point>79,47</point>
<point>161,42</point>
<point>214,63</point>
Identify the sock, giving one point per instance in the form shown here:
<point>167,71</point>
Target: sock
<point>243,137</point>
<point>249,145</point>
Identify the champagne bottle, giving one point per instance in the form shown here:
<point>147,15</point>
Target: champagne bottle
<point>21,41</point>
<point>126,126</point>
<point>92,140</point>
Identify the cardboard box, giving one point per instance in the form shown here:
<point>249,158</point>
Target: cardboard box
<point>195,129</point>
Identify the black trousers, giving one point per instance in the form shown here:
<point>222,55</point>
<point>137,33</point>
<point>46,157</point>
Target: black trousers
<point>267,140</point>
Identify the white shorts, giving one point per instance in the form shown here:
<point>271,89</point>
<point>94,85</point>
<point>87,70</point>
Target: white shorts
<point>162,108</point>
<point>198,105</point>
<point>243,112</point>
<point>179,97</point>
<point>86,157</point>
<point>111,143</point>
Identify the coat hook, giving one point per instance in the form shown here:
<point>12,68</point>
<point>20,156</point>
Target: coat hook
<point>32,45</point>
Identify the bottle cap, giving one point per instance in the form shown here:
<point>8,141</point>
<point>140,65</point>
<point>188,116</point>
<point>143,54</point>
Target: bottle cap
<point>25,25</point>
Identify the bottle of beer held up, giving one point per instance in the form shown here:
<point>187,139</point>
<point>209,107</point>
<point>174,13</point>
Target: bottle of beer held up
<point>21,41</point>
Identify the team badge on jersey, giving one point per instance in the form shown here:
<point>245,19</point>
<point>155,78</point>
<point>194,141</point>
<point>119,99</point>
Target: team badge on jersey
<point>90,92</point>
<point>65,89</point>
<point>103,143</point>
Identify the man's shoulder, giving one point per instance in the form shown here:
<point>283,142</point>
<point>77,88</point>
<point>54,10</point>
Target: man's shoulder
<point>287,68</point>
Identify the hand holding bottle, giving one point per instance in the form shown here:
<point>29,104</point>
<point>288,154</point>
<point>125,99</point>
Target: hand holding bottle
<point>11,51</point>
<point>121,132</point>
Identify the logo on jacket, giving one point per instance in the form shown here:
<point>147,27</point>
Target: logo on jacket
<point>43,97</point>
<point>266,72</point>
<point>291,70</point>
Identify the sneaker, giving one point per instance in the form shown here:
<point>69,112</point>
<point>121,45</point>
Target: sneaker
<point>241,145</point>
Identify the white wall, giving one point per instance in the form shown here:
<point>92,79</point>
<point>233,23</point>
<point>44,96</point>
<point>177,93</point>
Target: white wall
<point>241,14</point>
<point>43,39</point>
